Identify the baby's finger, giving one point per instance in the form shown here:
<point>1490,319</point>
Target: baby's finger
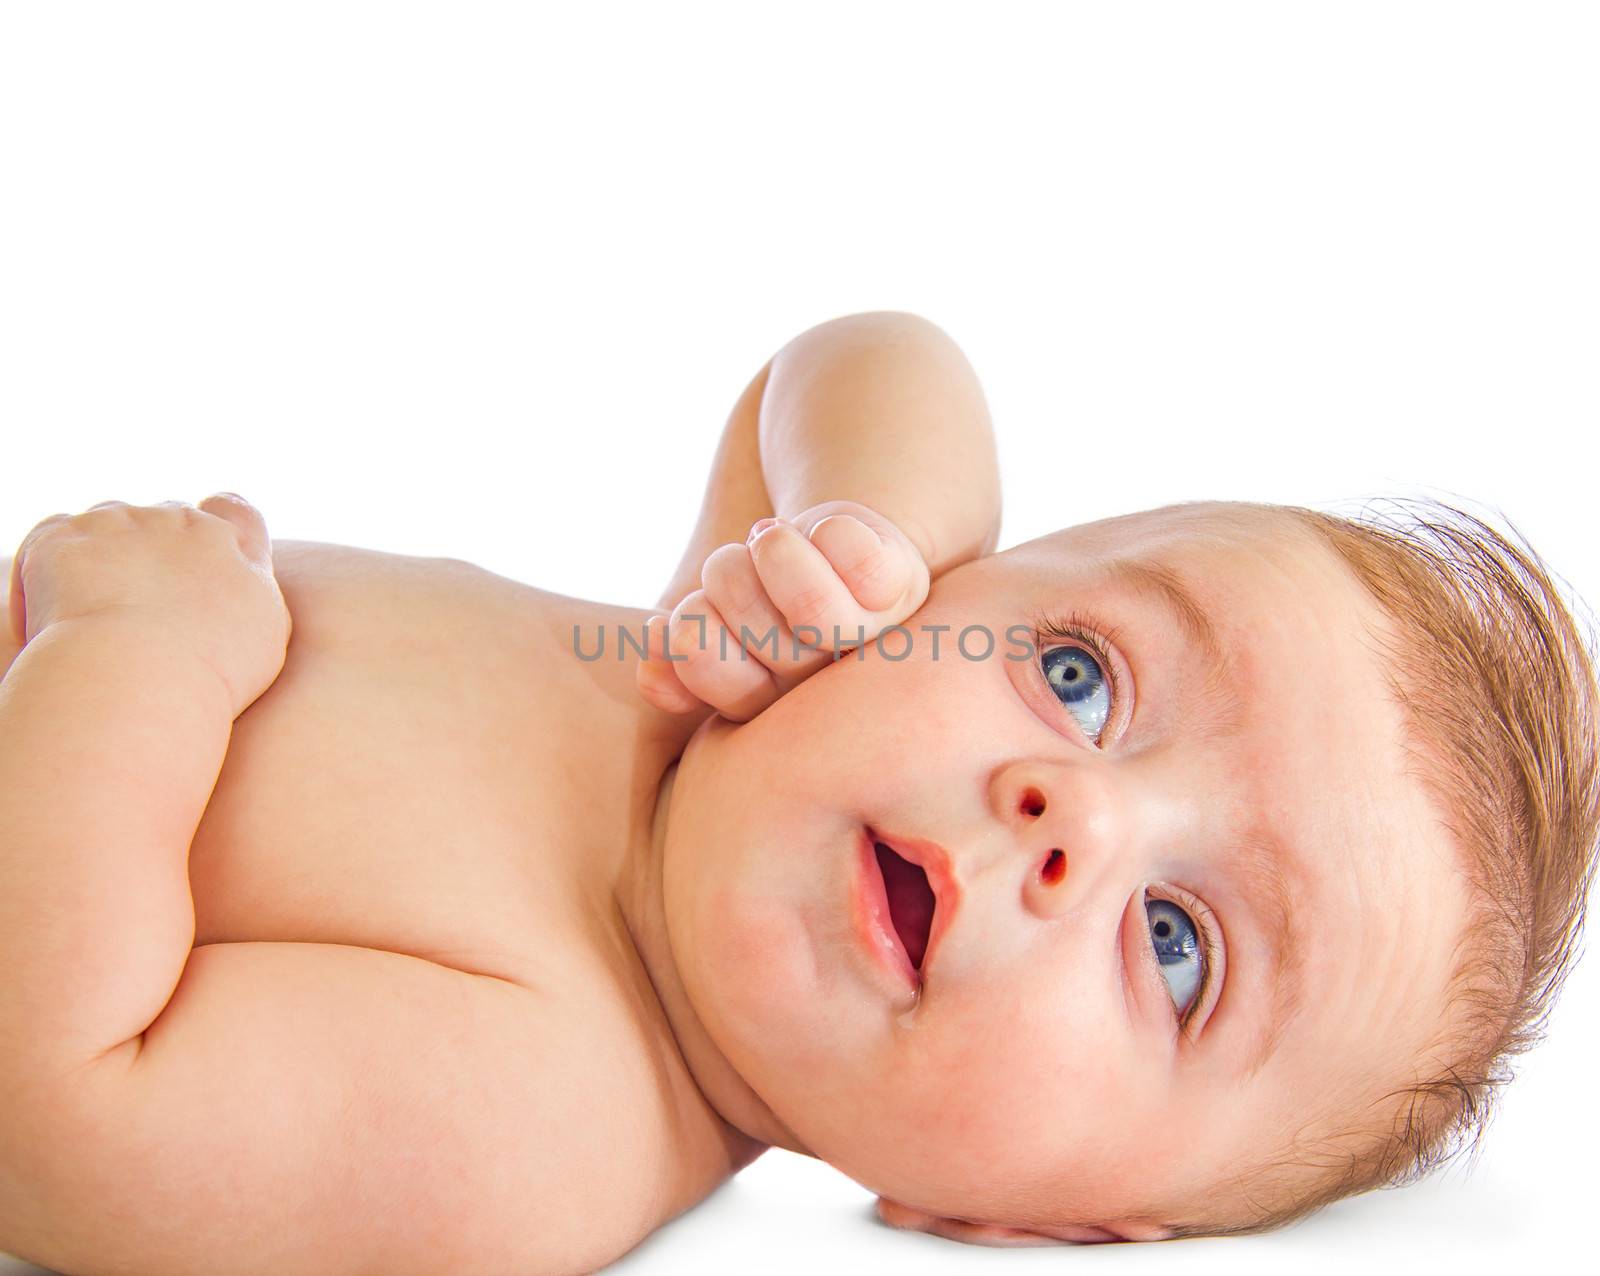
<point>711,665</point>
<point>656,677</point>
<point>878,571</point>
<point>16,616</point>
<point>806,589</point>
<point>17,612</point>
<point>734,588</point>
<point>246,520</point>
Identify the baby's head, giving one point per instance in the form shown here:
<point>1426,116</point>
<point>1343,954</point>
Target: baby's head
<point>1343,774</point>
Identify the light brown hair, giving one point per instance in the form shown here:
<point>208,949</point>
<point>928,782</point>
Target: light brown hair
<point>1497,684</point>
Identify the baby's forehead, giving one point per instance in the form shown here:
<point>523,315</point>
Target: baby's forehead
<point>1223,563</point>
<point>1195,526</point>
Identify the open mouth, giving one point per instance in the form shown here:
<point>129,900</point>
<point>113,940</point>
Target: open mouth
<point>905,896</point>
<point>911,901</point>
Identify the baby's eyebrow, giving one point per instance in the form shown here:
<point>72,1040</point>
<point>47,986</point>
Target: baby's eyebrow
<point>1260,865</point>
<point>1219,705</point>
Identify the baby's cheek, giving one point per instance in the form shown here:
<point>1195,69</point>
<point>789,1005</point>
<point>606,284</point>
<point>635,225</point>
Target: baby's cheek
<point>1004,1097</point>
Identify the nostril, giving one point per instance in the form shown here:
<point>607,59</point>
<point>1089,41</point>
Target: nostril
<point>1033,803</point>
<point>1054,868</point>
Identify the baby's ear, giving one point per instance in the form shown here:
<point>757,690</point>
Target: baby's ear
<point>956,1229</point>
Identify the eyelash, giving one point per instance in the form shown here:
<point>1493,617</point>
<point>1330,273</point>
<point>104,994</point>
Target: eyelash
<point>1079,628</point>
<point>1076,627</point>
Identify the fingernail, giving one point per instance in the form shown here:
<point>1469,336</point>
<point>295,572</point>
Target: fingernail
<point>760,526</point>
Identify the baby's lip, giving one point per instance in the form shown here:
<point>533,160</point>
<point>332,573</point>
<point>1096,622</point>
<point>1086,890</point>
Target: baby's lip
<point>936,862</point>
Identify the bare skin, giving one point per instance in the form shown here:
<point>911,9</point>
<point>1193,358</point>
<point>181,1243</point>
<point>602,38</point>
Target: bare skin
<point>492,854</point>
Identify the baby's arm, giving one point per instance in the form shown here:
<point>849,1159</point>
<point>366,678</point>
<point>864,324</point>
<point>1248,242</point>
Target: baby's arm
<point>881,409</point>
<point>241,1107</point>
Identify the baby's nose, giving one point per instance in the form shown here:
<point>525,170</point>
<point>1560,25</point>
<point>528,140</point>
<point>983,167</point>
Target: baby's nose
<point>1067,833</point>
<point>1025,800</point>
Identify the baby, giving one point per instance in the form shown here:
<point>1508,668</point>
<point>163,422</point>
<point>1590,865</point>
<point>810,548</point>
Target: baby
<point>1176,873</point>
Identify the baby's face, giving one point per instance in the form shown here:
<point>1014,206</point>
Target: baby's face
<point>1051,1069</point>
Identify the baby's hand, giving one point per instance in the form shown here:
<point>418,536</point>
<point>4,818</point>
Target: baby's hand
<point>201,577</point>
<point>830,579</point>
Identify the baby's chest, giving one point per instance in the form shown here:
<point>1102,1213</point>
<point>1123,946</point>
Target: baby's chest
<point>393,789</point>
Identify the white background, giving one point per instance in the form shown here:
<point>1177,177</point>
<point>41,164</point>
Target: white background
<point>483,281</point>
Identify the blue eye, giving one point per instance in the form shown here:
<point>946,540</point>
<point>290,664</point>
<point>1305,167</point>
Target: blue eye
<point>1078,680</point>
<point>1177,945</point>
